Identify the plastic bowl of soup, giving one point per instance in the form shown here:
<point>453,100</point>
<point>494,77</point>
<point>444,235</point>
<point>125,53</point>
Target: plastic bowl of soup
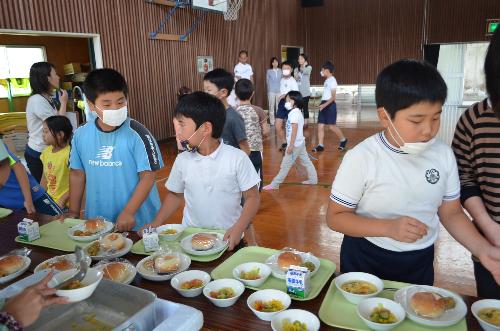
<point>77,290</point>
<point>487,313</point>
<point>356,286</point>
<point>381,314</point>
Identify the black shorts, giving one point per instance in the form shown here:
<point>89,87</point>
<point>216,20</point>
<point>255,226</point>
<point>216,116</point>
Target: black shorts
<point>256,159</point>
<point>305,110</point>
<point>486,285</point>
<point>414,267</point>
<point>282,112</point>
<point>328,115</point>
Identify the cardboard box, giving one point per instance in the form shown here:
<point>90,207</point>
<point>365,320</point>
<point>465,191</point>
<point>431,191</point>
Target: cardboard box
<point>67,85</point>
<point>28,230</point>
<point>72,68</point>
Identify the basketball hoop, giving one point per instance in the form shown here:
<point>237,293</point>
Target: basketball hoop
<point>233,7</point>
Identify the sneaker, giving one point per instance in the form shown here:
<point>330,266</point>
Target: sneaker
<point>318,148</point>
<point>342,145</point>
<point>269,188</point>
<point>283,147</point>
<point>309,182</point>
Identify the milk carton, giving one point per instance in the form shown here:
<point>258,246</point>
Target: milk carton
<point>298,281</point>
<point>151,240</point>
<point>28,230</point>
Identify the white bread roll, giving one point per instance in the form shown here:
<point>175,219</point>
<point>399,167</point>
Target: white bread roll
<point>427,304</point>
<point>10,264</point>
<point>94,225</point>
<point>203,241</point>
<point>113,241</point>
<point>286,259</point>
<point>115,271</point>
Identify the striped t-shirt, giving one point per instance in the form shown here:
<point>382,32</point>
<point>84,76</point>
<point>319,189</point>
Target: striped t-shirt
<point>477,148</point>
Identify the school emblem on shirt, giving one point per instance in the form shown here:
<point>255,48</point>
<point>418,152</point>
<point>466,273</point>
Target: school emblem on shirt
<point>432,176</point>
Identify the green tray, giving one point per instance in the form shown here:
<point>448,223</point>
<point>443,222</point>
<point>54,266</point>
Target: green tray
<point>260,254</point>
<point>138,247</point>
<point>55,235</point>
<point>336,311</point>
<point>4,212</point>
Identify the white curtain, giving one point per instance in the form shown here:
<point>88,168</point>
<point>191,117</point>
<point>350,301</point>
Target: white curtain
<point>451,67</point>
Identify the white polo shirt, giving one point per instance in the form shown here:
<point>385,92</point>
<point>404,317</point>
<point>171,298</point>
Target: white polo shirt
<point>381,181</point>
<point>295,117</point>
<point>287,85</point>
<point>243,70</point>
<point>329,85</point>
<point>212,186</point>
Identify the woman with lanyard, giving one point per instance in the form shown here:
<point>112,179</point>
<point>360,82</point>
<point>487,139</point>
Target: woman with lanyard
<point>43,80</point>
<point>303,77</point>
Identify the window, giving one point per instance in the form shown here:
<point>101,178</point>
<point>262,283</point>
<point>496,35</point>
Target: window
<point>15,64</point>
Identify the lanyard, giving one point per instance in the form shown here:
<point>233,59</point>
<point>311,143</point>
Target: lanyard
<point>50,101</point>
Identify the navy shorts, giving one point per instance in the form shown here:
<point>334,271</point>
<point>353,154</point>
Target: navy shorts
<point>282,113</point>
<point>414,267</point>
<point>328,115</point>
<point>46,205</point>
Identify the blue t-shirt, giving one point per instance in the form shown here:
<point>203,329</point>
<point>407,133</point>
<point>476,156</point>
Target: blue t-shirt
<point>112,162</point>
<point>11,195</point>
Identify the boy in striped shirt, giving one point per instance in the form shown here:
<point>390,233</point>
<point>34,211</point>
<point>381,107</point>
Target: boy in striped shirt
<point>477,148</point>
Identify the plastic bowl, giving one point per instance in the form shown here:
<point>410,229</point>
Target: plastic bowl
<point>303,316</point>
<point>366,307</point>
<point>90,282</point>
<point>216,285</point>
<point>481,304</point>
<point>187,276</point>
<point>352,276</point>
<point>268,295</point>
<point>264,273</point>
<point>170,237</point>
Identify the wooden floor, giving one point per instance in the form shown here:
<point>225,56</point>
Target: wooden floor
<point>294,215</point>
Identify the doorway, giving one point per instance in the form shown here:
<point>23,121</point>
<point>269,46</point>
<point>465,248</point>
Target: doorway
<point>291,54</point>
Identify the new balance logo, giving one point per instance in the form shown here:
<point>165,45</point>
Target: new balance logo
<point>105,152</point>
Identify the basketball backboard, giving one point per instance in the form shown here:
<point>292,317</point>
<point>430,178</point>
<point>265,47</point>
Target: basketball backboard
<point>211,5</point>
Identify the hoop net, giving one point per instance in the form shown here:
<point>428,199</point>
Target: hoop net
<point>233,7</point>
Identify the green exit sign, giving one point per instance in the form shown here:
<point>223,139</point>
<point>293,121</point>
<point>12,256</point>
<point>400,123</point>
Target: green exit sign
<point>491,26</point>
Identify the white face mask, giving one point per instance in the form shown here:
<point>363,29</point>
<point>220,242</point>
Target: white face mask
<point>89,114</point>
<point>321,73</point>
<point>114,117</point>
<point>287,72</point>
<point>410,148</point>
<point>288,105</point>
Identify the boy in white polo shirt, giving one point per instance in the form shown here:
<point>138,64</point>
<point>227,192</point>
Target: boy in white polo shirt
<point>211,176</point>
<point>392,190</point>
<point>241,70</point>
<point>328,109</point>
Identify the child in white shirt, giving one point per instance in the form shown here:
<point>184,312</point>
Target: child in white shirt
<point>296,144</point>
<point>287,84</point>
<point>241,70</point>
<point>393,189</point>
<point>210,176</point>
<point>328,109</point>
